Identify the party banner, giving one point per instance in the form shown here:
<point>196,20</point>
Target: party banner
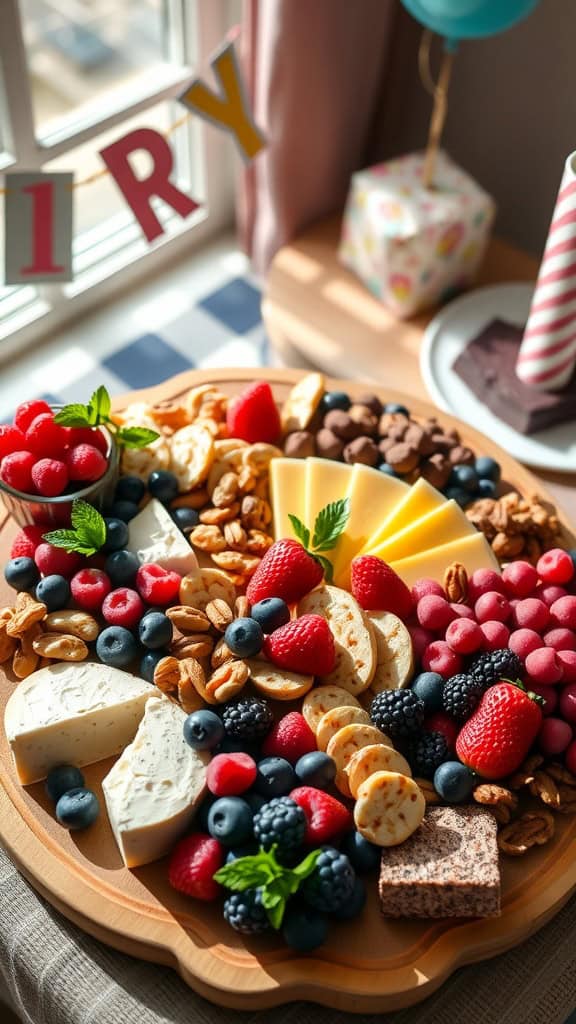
<point>38,227</point>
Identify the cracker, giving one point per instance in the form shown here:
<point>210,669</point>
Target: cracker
<point>200,588</point>
<point>376,757</point>
<point>345,743</point>
<point>336,719</point>
<point>394,654</point>
<point>389,808</point>
<point>278,684</point>
<point>192,450</point>
<point>322,699</point>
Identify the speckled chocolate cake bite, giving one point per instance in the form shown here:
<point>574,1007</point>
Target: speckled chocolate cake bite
<point>447,868</point>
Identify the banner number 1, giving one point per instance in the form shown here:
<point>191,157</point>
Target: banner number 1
<point>42,194</point>
<point>38,217</point>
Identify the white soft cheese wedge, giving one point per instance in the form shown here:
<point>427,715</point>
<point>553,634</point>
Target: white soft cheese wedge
<point>154,788</point>
<point>154,537</point>
<point>72,713</point>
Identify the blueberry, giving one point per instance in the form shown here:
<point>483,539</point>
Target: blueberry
<point>124,510</point>
<point>149,662</point>
<point>78,808</point>
<point>391,407</point>
<point>116,646</point>
<point>488,469</point>
<point>465,477</point>
<point>121,567</point>
<point>335,400</point>
<point>428,686</point>
<point>303,929</point>
<point>130,488</point>
<point>21,573</point>
<point>487,488</point>
<point>116,535</point>
<point>363,855</point>
<point>459,495</point>
<point>244,637</point>
<point>388,470</point>
<point>62,779</point>
<point>155,630</point>
<point>54,592</point>
<point>275,777</point>
<point>315,769</point>
<point>354,904</point>
<point>270,614</point>
<point>241,851</point>
<point>454,782</point>
<point>185,518</point>
<point>230,821</point>
<point>163,485</point>
<point>203,730</point>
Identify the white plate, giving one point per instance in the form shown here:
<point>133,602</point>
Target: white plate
<point>445,338</point>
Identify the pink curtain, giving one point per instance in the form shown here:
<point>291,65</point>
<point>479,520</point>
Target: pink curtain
<point>315,70</point>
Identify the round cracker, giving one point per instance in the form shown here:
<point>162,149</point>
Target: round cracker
<point>278,684</point>
<point>192,455</point>
<point>336,719</point>
<point>344,745</point>
<point>394,653</point>
<point>322,699</point>
<point>389,808</point>
<point>199,588</point>
<point>374,758</point>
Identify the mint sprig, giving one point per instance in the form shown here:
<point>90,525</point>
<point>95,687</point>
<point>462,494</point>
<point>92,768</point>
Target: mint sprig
<point>97,413</point>
<point>276,883</point>
<point>88,534</point>
<point>329,525</point>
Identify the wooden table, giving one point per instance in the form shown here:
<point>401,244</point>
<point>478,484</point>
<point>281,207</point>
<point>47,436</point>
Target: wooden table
<point>320,315</point>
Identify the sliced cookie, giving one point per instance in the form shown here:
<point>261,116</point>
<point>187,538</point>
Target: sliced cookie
<point>394,654</point>
<point>389,808</point>
<point>321,699</point>
<point>336,719</point>
<point>278,683</point>
<point>353,636</point>
<point>374,758</point>
<point>344,744</point>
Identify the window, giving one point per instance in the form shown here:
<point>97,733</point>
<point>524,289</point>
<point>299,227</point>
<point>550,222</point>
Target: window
<point>75,76</point>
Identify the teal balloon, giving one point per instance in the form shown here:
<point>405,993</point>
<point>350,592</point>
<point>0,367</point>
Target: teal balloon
<point>469,19</point>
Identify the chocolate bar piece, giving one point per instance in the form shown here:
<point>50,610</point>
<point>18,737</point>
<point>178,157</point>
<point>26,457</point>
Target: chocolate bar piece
<point>447,868</point>
<point>487,365</point>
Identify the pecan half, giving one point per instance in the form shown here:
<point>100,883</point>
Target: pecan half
<point>167,675</point>
<point>525,774</point>
<point>188,619</point>
<point>544,787</point>
<point>220,614</point>
<point>530,829</point>
<point>191,675</point>
<point>502,802</point>
<point>456,583</point>
<point>227,681</point>
<point>27,611</point>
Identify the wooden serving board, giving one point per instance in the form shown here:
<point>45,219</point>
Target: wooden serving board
<point>369,965</point>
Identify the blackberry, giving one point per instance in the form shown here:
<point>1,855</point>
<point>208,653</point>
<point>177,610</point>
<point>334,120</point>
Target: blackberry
<point>461,696</point>
<point>332,882</point>
<point>426,753</point>
<point>248,718</point>
<point>398,713</point>
<point>282,823</point>
<point>245,913</point>
<point>489,668</point>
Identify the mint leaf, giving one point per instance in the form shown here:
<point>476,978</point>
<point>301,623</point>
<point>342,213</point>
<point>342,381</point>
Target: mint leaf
<point>274,906</point>
<point>74,415</point>
<point>327,566</point>
<point>306,866</point>
<point>135,437</point>
<point>70,541</point>
<point>330,523</point>
<point>88,523</point>
<point>301,531</point>
<point>99,406</point>
<point>248,872</point>
<point>276,883</point>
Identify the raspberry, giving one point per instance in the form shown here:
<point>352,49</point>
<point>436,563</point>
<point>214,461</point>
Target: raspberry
<point>377,587</point>
<point>253,415</point>
<point>555,736</point>
<point>16,471</point>
<point>531,614</point>
<point>45,437</point>
<point>88,435</point>
<point>445,724</point>
<point>11,440</point>
<point>524,641</point>
<point>492,606</point>
<point>520,579</point>
<point>123,607</point>
<point>464,636</point>
<point>326,817</point>
<point>54,561</point>
<point>426,588</point>
<point>28,411</point>
<point>89,588</point>
<point>550,592</point>
<point>561,639</point>
<point>438,657</point>
<point>544,667</point>
<point>563,612</point>
<point>85,463</point>
<point>434,612</point>
<point>482,581</point>
<point>49,477</point>
<point>26,541</point>
<point>157,585</point>
<point>568,661</point>
<point>494,635</point>
<point>230,774</point>
<point>194,861</point>
<point>291,738</point>
<point>421,640</point>
<point>555,566</point>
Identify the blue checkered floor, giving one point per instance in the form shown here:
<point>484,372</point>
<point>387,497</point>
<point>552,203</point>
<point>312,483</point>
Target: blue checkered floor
<point>204,314</point>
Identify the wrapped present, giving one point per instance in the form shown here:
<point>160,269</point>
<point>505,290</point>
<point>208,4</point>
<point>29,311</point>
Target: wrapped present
<point>414,247</point>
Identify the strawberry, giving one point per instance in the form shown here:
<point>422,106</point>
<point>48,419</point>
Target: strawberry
<point>193,862</point>
<point>290,738</point>
<point>377,587</point>
<point>253,415</point>
<point>496,738</point>
<point>303,645</point>
<point>326,817</point>
<point>287,571</point>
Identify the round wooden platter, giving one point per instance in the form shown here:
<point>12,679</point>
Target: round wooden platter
<point>369,965</point>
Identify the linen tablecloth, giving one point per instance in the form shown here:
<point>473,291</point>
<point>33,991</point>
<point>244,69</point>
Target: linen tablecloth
<point>58,975</point>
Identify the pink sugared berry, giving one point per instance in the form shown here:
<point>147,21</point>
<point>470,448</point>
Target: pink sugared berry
<point>122,607</point>
<point>492,606</point>
<point>425,588</point>
<point>523,642</point>
<point>16,471</point>
<point>551,592</point>
<point>563,612</point>
<point>520,579</point>
<point>482,581</point>
<point>549,695</point>
<point>46,438</point>
<point>439,657</point>
<point>544,667</point>
<point>568,703</point>
<point>157,585</point>
<point>89,588</point>
<point>49,477</point>
<point>531,614</point>
<point>463,611</point>
<point>568,661</point>
<point>230,774</point>
<point>570,758</point>
<point>561,639</point>
<point>494,635</point>
<point>26,541</point>
<point>11,440</point>
<point>54,561</point>
<point>28,411</point>
<point>434,612</point>
<point>554,736</point>
<point>421,639</point>
<point>85,462</point>
<point>555,566</point>
<point>442,722</point>
<point>464,636</point>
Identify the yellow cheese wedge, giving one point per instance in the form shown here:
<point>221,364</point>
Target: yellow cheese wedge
<point>441,526</point>
<point>287,491</point>
<point>373,496</point>
<point>326,481</point>
<point>419,500</point>
<point>472,552</point>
